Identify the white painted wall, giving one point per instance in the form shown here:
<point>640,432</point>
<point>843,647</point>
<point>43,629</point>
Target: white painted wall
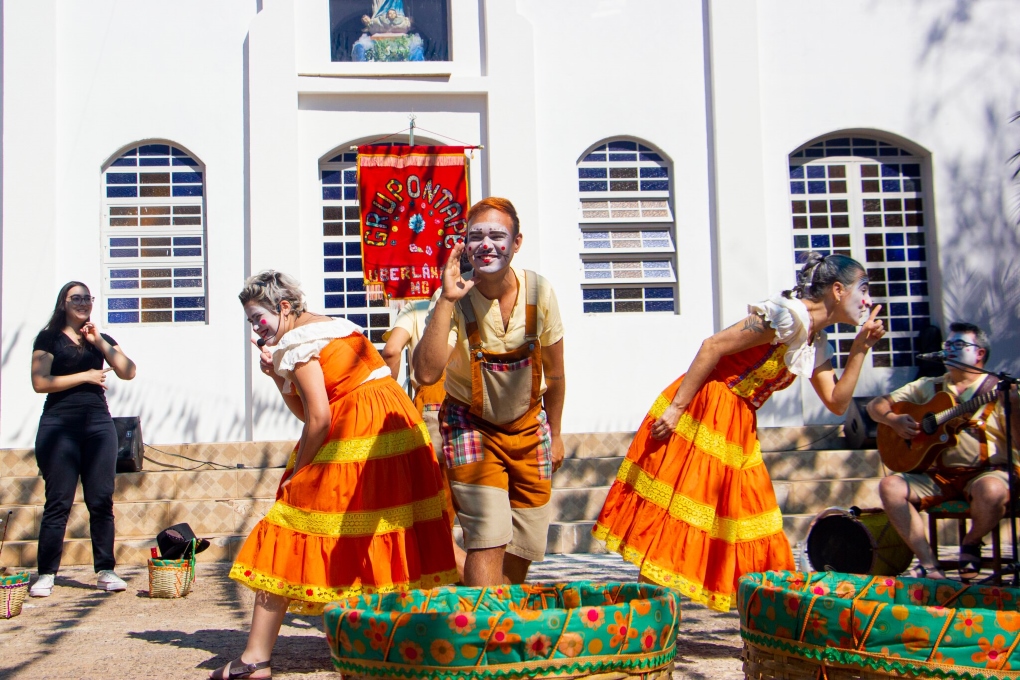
<point>253,94</point>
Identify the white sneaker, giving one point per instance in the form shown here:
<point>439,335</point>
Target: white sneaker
<point>108,580</point>
<point>43,586</point>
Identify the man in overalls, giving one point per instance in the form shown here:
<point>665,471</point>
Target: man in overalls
<point>499,336</point>
<point>974,469</point>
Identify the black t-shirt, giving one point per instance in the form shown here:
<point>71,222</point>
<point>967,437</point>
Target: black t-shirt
<point>68,359</point>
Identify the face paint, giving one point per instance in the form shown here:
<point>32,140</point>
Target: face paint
<point>970,354</point>
<point>265,323</point>
<point>489,245</point>
<point>856,301</point>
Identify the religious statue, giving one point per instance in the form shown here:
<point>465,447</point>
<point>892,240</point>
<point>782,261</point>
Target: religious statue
<point>387,18</point>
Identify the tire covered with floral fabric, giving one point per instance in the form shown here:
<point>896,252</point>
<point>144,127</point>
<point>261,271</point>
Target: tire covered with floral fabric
<point>846,625</point>
<point>564,630</point>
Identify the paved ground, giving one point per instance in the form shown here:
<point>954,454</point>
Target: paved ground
<point>80,632</point>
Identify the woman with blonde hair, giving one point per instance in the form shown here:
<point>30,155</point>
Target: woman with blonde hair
<point>360,508</point>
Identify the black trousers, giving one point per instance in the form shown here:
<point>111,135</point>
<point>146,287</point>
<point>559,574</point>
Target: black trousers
<point>69,446</point>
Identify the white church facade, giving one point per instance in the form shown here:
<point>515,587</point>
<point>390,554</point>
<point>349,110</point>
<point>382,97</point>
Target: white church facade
<point>669,161</point>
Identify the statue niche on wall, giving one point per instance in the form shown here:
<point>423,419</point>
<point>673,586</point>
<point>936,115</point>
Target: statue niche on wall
<point>387,35</point>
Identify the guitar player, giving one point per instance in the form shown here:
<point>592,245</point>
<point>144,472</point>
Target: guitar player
<point>974,470</point>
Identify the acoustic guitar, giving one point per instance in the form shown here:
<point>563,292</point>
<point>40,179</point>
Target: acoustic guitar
<point>939,422</point>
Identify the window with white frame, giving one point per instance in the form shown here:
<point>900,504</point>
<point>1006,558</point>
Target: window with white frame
<point>628,256</point>
<point>153,231</point>
<point>865,198</point>
<point>343,279</point>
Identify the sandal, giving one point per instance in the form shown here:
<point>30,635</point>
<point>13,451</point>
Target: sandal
<point>921,571</point>
<point>238,670</point>
<point>970,561</point>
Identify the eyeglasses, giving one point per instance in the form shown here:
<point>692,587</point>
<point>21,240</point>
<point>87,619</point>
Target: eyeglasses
<point>957,344</point>
<point>81,299</point>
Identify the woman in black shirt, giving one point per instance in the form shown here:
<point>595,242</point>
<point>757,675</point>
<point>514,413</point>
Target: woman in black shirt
<point>76,436</point>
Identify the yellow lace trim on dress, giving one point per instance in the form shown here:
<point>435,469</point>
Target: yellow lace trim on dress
<point>710,442</point>
<point>311,599</point>
<point>761,375</point>
<point>363,523</point>
<point>689,587</point>
<point>698,515</point>
<point>358,450</point>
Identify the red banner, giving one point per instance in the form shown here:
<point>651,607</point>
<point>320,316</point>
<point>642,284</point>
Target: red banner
<point>413,205</point>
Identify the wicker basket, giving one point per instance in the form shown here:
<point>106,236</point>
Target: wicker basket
<point>609,631</point>
<point>171,578</point>
<point>762,664</point>
<point>14,588</point>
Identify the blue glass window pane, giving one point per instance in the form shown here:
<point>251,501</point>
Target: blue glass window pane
<point>902,344</point>
<point>899,324</point>
<point>335,301</point>
<point>125,162</point>
<point>121,192</point>
<point>122,317</point>
<point>621,145</point>
<point>597,294</point>
<point>332,248</point>
<point>920,322</point>
<point>331,194</point>
<point>122,303</point>
<point>188,271</point>
<point>153,161</point>
<point>659,306</point>
<point>355,285</point>
<point>187,240</point>
<point>122,178</point>
<point>184,161</point>
<point>911,169</point>
<point>816,171</point>
<point>837,151</point>
<point>596,173</point>
<point>595,158</point>
<point>188,190</point>
<point>359,319</point>
<point>887,151</point>
<point>919,309</point>
<point>816,187</point>
<point>911,185</point>
<point>894,239</point>
<point>899,309</point>
<point>897,274</point>
<point>154,150</point>
<point>350,176</point>
<point>918,273</point>
<point>623,157</point>
<point>124,252</point>
<point>188,302</point>
<point>354,264</point>
<point>915,254</point>
<point>890,170</point>
<point>890,185</point>
<point>814,153</point>
<point>820,241</point>
<point>187,252</point>
<point>350,193</point>
<point>654,185</point>
<point>124,274</point>
<point>655,172</point>
<point>894,255</point>
<point>352,248</point>
<point>357,301</point>
<point>593,186</point>
<point>650,157</point>
<point>123,284</point>
<point>187,283</point>
<point>190,315</point>
<point>598,307</point>
<point>897,289</point>
<point>331,177</point>
<point>903,360</point>
<point>797,172</point>
<point>919,289</point>
<point>123,242</point>
<point>659,293</point>
<point>796,187</point>
<point>186,177</point>
<point>800,242</point>
<point>334,285</point>
<point>334,265</point>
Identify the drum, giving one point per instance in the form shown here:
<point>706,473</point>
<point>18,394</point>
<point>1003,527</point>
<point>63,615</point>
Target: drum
<point>857,541</point>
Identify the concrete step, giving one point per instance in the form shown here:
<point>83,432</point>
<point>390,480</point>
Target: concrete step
<point>820,465</point>
<point>814,496</point>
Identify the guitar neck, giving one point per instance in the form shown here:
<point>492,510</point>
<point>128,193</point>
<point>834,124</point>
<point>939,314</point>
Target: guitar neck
<point>966,407</point>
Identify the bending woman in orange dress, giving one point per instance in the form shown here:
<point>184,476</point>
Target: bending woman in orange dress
<point>360,508</point>
<point>693,504</point>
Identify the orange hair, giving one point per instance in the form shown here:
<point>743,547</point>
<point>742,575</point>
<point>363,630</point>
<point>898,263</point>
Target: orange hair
<point>503,205</point>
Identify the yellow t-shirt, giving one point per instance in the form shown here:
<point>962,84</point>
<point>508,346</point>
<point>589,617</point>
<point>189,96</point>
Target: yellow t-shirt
<point>967,453</point>
<point>411,318</point>
<point>490,329</point>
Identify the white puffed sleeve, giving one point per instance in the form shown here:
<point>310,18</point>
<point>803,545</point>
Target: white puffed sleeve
<point>793,325</point>
<point>303,344</point>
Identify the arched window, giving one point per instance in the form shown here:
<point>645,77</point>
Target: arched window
<point>865,198</point>
<point>628,258</point>
<point>154,258</point>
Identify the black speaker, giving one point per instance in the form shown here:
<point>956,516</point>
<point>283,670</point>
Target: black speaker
<point>129,444</point>
<point>858,428</point>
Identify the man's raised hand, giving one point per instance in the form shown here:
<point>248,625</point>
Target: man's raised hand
<point>454,285</point>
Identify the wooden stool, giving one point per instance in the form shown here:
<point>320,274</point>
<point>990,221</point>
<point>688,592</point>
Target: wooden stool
<point>960,511</point>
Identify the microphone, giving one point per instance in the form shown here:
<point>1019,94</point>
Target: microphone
<point>932,356</point>
<point>261,342</point>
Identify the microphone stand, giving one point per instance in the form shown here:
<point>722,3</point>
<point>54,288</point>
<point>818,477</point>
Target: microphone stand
<point>1005,382</point>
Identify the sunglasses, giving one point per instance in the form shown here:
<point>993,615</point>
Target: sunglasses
<point>81,299</point>
<point>957,344</point>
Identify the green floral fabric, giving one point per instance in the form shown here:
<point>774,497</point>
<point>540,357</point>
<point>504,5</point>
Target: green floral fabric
<point>927,627</point>
<point>522,631</point>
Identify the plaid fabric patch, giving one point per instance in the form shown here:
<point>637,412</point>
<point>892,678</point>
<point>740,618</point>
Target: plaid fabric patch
<point>461,443</point>
<point>544,450</point>
<point>497,367</point>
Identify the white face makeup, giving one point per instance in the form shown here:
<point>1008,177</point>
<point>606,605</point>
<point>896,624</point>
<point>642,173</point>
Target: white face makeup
<point>969,354</point>
<point>265,323</point>
<point>856,301</point>
<point>490,245</point>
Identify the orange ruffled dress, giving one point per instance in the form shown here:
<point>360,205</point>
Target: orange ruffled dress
<point>697,510</point>
<point>369,513</point>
